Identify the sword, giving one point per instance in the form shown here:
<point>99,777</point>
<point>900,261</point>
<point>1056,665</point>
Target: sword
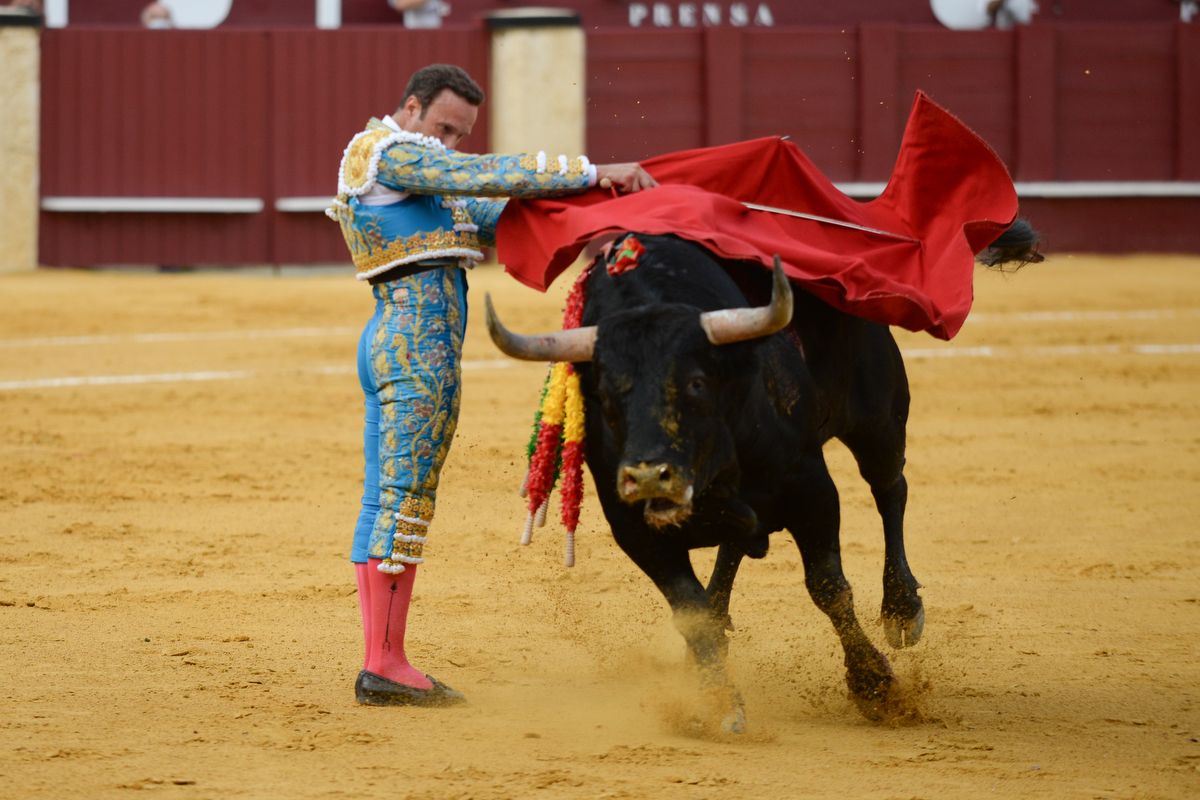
<point>605,183</point>
<point>830,221</point>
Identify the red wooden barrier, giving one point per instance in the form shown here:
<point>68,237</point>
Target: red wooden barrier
<point>1056,103</point>
<point>242,118</point>
<point>129,113</point>
<point>1116,103</point>
<point>1094,103</point>
<point>645,93</point>
<point>256,120</point>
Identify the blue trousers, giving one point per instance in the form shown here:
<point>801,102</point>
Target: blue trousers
<point>409,366</point>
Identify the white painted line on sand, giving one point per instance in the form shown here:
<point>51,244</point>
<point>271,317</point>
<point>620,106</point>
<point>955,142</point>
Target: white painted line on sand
<point>913,353</point>
<point>285,333</point>
<point>1166,349</point>
<point>948,352</point>
<point>1051,351</point>
<point>1084,316</point>
<point>70,381</point>
<point>178,336</point>
<point>113,380</point>
<point>468,366</point>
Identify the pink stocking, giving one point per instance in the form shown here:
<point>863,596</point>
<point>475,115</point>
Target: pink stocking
<point>388,597</point>
<point>364,607</point>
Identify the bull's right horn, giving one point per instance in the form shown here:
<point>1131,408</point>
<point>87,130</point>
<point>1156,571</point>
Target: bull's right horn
<point>730,325</point>
<point>570,345</point>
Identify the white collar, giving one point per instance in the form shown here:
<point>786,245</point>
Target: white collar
<point>400,135</point>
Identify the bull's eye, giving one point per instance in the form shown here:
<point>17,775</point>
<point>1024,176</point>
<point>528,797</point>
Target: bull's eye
<point>697,384</point>
<point>611,409</point>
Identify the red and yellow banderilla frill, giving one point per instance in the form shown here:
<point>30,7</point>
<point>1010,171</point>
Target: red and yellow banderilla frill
<point>557,442</point>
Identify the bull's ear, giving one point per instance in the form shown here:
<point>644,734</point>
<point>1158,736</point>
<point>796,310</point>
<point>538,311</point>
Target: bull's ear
<point>739,324</point>
<point>571,345</point>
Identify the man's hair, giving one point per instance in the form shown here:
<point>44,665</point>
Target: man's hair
<point>428,82</point>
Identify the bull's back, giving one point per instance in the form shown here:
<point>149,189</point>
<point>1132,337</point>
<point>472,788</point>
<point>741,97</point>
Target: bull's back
<point>856,368</point>
<point>670,270</point>
<point>828,374</point>
<point>851,366</point>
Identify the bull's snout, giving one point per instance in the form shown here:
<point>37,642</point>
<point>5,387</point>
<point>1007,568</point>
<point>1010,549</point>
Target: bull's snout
<point>666,490</point>
<point>647,481</point>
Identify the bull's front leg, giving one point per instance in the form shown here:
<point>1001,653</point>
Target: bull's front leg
<point>734,524</point>
<point>816,531</point>
<point>702,627</point>
<point>720,583</point>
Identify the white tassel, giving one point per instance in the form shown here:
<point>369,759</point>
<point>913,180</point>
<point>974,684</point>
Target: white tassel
<point>527,535</point>
<point>569,555</point>
<point>540,517</point>
<point>524,490</point>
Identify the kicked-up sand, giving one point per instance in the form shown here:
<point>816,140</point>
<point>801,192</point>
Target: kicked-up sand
<point>180,468</point>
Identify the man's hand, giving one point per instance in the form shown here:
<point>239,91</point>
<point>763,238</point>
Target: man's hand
<point>626,177</point>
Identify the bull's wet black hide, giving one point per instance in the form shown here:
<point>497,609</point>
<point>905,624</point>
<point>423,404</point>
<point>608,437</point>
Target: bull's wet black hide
<point>743,426</point>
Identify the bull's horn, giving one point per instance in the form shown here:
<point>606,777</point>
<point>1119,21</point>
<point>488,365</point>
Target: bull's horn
<point>572,344</point>
<point>739,324</point>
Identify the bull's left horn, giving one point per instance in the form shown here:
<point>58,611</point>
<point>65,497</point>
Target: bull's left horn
<point>739,324</point>
<point>572,344</point>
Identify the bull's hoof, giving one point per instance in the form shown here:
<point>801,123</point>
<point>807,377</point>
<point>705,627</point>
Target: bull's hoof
<point>876,705</point>
<point>723,706</point>
<point>890,705</point>
<point>734,721</point>
<point>871,682</point>
<point>904,632</point>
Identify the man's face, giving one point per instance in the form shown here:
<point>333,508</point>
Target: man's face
<point>448,118</point>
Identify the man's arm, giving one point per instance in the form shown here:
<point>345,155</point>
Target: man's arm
<point>485,211</point>
<point>412,167</point>
<point>485,214</point>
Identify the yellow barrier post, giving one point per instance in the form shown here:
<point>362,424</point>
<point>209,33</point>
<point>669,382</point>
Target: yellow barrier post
<point>537,82</point>
<point>20,40</point>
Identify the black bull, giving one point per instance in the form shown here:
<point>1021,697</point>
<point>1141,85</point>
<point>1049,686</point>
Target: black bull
<point>695,444</point>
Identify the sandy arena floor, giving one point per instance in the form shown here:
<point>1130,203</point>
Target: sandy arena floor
<point>177,615</point>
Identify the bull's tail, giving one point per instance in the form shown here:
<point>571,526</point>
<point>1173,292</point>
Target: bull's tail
<point>1014,248</point>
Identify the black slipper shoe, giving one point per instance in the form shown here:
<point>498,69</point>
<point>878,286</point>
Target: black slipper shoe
<point>375,690</point>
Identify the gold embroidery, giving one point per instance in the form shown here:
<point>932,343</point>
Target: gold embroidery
<point>461,216</point>
<point>413,508</point>
<point>574,167</point>
<point>356,167</point>
<point>368,256</point>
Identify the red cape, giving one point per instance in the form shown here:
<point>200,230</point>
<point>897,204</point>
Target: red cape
<point>949,195</point>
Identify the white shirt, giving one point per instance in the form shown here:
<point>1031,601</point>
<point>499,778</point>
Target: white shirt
<point>380,195</point>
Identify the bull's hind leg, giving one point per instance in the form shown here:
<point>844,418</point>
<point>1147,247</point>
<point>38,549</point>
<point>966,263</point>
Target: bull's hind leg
<point>868,673</point>
<point>881,464</point>
<point>903,612</point>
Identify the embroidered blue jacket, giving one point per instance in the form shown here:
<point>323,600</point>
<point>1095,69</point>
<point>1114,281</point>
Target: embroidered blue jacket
<point>446,203</point>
